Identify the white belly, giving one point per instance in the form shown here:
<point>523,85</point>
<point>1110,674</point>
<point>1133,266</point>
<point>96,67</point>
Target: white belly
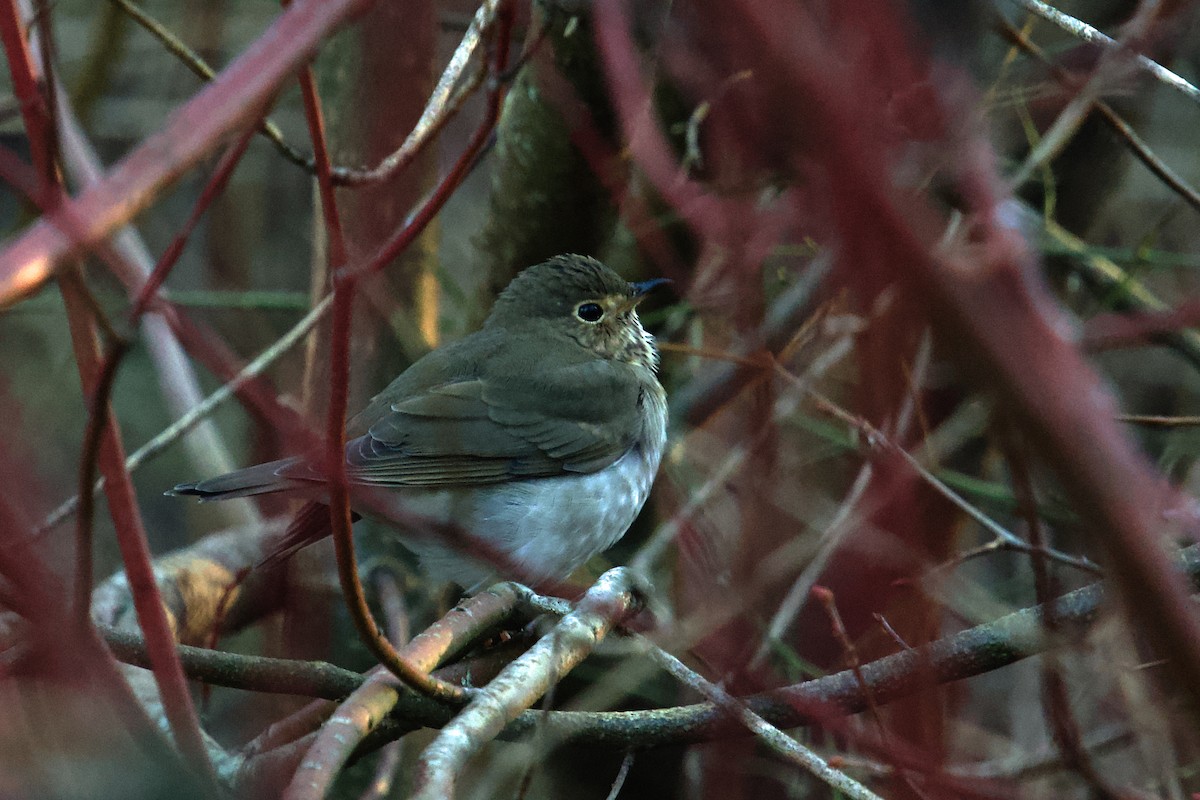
<point>548,527</point>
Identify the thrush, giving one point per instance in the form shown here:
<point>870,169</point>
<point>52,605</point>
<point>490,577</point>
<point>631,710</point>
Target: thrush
<point>539,435</point>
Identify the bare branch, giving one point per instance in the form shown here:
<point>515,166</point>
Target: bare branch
<point>610,601</point>
<point>772,737</point>
<point>1079,28</point>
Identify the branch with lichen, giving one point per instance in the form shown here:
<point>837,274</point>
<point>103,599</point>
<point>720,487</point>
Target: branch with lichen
<point>609,602</point>
<point>966,654</point>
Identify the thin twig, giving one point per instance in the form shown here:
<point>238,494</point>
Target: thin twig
<point>656,544</point>
<point>874,438</point>
<point>768,734</point>
<point>345,284</point>
<point>1082,30</point>
<point>1126,290</point>
<point>177,376</point>
<point>609,602</point>
<point>1029,766</point>
<point>849,651</point>
<point>622,773</point>
<point>201,411</point>
<point>841,523</point>
<point>444,103</point>
<point>1123,129</point>
<point>379,693</point>
<point>1056,702</point>
<point>199,67</point>
<point>99,413</point>
<point>1156,421</point>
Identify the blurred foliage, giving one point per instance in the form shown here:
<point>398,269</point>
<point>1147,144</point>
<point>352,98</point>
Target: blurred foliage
<point>247,273</point>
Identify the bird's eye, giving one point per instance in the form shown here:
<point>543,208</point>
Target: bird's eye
<point>589,312</point>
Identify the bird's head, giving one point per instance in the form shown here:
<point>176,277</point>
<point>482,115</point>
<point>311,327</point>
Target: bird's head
<point>581,298</point>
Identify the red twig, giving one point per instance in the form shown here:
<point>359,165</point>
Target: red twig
<point>212,189</point>
<point>232,101</point>
<point>345,283</point>
<point>989,301</point>
<point>104,438</point>
<point>19,175</point>
<point>98,417</point>
<point>117,348</point>
<point>33,103</point>
<point>41,593</point>
<point>849,651</point>
<point>135,552</point>
<point>316,132</point>
<point>1056,702</point>
<point>391,600</point>
<point>425,214</point>
<point>1107,331</point>
<point>339,489</point>
<point>1000,308</point>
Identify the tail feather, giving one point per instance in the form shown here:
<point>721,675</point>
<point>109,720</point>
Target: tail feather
<point>259,479</point>
<point>310,525</point>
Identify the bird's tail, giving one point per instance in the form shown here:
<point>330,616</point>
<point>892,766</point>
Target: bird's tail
<point>259,479</point>
<point>310,525</point>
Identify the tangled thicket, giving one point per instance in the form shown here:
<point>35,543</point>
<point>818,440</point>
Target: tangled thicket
<point>922,529</point>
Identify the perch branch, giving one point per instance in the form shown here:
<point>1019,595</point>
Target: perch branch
<point>610,601</point>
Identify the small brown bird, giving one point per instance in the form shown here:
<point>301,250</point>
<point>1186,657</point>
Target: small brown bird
<point>540,434</point>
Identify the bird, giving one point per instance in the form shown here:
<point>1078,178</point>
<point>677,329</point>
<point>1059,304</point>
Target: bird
<point>539,435</point>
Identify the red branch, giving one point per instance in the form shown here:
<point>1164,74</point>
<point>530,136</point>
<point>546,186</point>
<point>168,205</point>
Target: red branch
<point>25,86</point>
<point>98,405</point>
<point>110,454</point>
<point>986,299</point>
<point>212,190</point>
<point>994,305</point>
<point>233,100</point>
<point>345,284</point>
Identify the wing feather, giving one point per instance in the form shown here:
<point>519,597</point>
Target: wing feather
<point>501,426</point>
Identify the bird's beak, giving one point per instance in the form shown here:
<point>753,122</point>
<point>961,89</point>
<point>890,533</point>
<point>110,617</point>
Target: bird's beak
<point>641,289</point>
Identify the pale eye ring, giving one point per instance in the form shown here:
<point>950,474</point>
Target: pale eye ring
<point>589,312</point>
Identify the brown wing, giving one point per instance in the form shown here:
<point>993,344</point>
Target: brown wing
<point>580,418</point>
